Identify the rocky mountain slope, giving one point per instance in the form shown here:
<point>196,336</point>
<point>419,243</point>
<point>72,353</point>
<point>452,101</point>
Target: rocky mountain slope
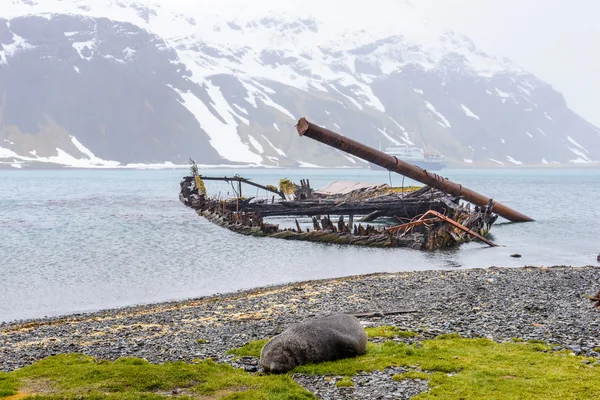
<point>90,83</point>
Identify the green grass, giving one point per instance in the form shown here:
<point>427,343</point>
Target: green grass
<point>411,375</point>
<point>388,332</point>
<point>481,369</point>
<point>251,349</point>
<point>8,384</point>
<point>455,367</point>
<point>448,336</point>
<point>344,382</point>
<point>77,376</point>
<point>534,341</point>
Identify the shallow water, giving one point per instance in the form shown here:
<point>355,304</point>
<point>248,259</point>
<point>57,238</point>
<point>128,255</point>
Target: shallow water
<point>83,240</point>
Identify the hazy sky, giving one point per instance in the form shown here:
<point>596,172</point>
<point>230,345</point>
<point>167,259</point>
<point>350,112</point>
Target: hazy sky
<point>558,40</point>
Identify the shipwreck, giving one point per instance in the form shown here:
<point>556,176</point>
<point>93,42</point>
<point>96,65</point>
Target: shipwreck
<point>441,214</point>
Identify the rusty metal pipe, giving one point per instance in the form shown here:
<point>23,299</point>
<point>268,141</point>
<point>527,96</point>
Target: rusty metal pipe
<point>391,163</point>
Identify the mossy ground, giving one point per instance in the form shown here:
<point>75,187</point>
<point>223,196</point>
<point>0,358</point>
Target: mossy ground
<point>459,368</point>
<point>411,375</point>
<point>455,368</point>
<point>252,349</point>
<point>344,382</point>
<point>388,332</point>
<point>76,376</point>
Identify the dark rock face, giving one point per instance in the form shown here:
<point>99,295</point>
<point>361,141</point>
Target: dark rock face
<point>313,341</point>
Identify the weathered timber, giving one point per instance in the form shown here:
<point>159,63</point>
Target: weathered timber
<point>374,314</point>
<point>441,217</point>
<point>596,300</point>
<point>391,163</point>
<point>398,208</point>
<point>246,215</point>
<point>241,180</point>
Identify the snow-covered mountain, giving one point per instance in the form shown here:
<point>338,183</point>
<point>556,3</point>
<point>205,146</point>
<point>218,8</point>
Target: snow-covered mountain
<point>109,83</point>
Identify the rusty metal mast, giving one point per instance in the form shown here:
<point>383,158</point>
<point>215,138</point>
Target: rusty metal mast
<point>391,163</point>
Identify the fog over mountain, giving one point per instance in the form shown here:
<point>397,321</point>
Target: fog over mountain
<point>112,83</point>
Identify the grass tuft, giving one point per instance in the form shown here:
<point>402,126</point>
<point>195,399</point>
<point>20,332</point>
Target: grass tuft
<point>76,376</point>
<point>536,341</point>
<point>8,384</point>
<point>448,336</point>
<point>344,382</point>
<point>478,369</point>
<point>411,375</point>
<point>251,349</point>
<point>388,332</point>
<point>455,368</point>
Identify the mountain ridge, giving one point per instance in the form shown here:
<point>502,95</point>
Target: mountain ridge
<point>132,95</point>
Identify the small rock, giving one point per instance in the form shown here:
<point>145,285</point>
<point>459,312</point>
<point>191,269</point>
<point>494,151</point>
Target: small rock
<point>515,255</point>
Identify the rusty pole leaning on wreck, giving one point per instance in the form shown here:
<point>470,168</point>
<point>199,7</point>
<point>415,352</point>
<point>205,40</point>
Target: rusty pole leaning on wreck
<point>391,163</point>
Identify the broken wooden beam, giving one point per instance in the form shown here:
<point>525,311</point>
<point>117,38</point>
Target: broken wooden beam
<point>392,163</point>
<point>412,224</point>
<point>241,180</point>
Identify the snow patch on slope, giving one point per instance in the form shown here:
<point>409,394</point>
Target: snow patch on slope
<point>279,151</point>
<point>255,144</point>
<point>9,50</point>
<point>445,123</point>
<point>92,158</point>
<point>223,135</point>
<point>570,139</point>
<point>512,160</point>
<point>582,157</point>
<point>90,45</point>
<point>468,112</point>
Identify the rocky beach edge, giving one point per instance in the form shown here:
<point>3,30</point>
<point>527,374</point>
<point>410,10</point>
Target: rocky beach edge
<point>551,304</point>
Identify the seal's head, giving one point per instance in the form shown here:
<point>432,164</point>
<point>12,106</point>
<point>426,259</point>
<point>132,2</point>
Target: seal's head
<point>276,358</point>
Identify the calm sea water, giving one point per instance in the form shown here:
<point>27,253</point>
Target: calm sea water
<point>83,240</point>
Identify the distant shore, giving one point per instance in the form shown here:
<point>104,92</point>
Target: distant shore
<point>550,304</point>
<point>54,167</point>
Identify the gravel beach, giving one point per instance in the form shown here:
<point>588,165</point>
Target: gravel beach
<point>550,304</point>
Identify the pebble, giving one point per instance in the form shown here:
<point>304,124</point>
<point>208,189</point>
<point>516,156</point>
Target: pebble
<point>550,304</point>
<point>375,385</point>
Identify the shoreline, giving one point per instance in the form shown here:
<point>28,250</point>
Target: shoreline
<point>159,167</point>
<point>529,303</point>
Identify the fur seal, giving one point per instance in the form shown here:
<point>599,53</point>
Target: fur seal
<point>312,341</point>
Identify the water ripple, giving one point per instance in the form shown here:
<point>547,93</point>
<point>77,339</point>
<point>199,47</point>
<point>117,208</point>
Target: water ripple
<point>85,240</point>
